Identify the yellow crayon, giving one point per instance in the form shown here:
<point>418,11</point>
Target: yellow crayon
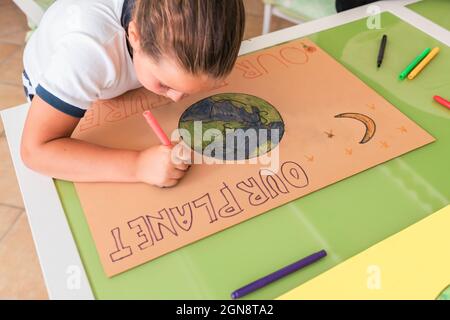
<point>423,63</point>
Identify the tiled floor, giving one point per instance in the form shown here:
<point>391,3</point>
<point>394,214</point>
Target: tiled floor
<point>20,274</point>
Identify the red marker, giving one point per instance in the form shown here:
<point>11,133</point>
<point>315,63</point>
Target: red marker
<point>151,120</point>
<point>442,101</point>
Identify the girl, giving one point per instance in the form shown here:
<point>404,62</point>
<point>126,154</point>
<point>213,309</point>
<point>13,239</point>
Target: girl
<point>88,50</point>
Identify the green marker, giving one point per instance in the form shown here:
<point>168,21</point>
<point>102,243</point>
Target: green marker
<point>413,64</point>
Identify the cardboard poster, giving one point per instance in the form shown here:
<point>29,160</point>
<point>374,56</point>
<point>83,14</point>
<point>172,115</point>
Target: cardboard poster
<point>331,126</point>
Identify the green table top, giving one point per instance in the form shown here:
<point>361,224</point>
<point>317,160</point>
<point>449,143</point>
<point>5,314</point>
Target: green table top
<point>437,11</point>
<point>344,219</point>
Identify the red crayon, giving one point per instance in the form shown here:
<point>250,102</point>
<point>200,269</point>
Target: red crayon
<point>151,120</point>
<point>442,101</point>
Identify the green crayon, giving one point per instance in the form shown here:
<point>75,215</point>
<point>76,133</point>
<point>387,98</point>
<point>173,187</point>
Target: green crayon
<point>413,64</point>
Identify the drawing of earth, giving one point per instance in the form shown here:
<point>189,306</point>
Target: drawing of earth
<point>244,126</point>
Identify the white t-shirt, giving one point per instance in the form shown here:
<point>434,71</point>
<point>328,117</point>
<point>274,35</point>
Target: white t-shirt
<point>79,54</point>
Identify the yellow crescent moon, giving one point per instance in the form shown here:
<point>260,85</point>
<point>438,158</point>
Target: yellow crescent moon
<point>371,127</point>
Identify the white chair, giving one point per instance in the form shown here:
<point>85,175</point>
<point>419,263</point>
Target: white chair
<point>296,11</point>
<point>31,9</point>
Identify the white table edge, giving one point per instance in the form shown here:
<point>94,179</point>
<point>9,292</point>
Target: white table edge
<point>63,271</point>
<point>61,265</point>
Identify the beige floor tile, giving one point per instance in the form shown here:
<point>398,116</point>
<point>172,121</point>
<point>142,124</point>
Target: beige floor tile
<point>278,24</point>
<point>5,2</point>
<point>8,216</point>
<point>11,96</point>
<point>255,17</point>
<point>11,68</point>
<point>6,50</point>
<point>12,33</point>
<point>255,24</point>
<point>9,188</point>
<point>20,273</point>
<point>255,7</point>
<point>17,38</point>
<point>12,19</point>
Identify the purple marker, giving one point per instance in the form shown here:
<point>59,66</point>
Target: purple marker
<point>278,274</point>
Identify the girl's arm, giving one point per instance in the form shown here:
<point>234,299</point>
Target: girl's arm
<point>47,148</point>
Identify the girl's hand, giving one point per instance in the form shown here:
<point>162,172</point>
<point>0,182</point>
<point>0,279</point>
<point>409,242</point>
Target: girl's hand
<point>156,166</point>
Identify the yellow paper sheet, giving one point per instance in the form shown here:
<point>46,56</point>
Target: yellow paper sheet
<point>413,264</point>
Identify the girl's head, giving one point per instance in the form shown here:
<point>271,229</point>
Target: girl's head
<point>182,47</point>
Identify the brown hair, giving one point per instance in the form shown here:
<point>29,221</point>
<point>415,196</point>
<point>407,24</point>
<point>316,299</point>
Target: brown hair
<point>204,36</point>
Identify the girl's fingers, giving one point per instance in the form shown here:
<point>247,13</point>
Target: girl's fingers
<point>176,174</point>
<point>182,167</point>
<point>183,153</point>
<point>170,183</point>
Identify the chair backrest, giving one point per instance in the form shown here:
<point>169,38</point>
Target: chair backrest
<point>32,10</point>
<point>304,10</point>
